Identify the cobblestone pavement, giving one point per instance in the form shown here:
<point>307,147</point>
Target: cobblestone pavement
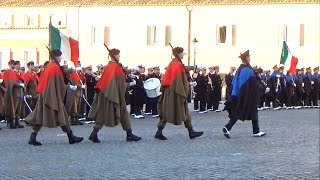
<point>289,151</point>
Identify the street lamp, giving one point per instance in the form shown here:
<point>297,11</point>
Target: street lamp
<point>194,50</point>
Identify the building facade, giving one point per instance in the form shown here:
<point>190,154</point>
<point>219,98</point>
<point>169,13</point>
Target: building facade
<point>143,29</point>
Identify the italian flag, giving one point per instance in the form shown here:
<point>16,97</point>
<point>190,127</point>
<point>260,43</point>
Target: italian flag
<point>68,46</point>
<point>288,60</point>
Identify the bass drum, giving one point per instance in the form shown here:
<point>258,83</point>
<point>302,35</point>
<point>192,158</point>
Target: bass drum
<point>152,87</point>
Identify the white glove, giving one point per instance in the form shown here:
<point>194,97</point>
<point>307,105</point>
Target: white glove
<point>83,86</point>
<point>1,81</point>
<point>278,75</point>
<point>73,88</point>
<point>193,83</point>
<point>21,85</point>
<point>133,83</point>
<point>28,96</point>
<point>312,82</point>
<point>78,68</point>
<point>302,84</point>
<point>267,90</point>
<point>277,90</point>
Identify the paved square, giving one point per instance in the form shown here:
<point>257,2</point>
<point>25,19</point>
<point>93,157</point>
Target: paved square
<point>289,151</point>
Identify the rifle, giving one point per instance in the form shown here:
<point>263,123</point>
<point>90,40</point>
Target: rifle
<point>66,77</point>
<point>114,58</point>
<point>176,56</point>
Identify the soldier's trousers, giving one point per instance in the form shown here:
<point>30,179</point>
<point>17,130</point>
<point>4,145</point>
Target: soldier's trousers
<point>66,128</point>
<point>187,123</point>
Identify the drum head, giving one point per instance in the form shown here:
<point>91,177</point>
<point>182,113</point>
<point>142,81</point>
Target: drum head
<point>151,83</point>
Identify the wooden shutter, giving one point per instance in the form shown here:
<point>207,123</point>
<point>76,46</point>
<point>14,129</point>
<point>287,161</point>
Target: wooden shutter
<point>168,35</point>
<point>234,34</point>
<point>301,34</point>
<point>107,35</point>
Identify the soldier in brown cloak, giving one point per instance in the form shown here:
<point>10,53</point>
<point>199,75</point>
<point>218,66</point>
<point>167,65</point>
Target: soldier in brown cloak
<point>2,91</point>
<point>13,95</point>
<point>109,104</point>
<point>50,110</point>
<point>31,81</point>
<point>173,103</point>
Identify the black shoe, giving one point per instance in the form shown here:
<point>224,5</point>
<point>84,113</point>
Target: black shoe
<point>33,140</point>
<point>226,133</point>
<point>94,137</point>
<point>74,139</point>
<point>0,128</point>
<point>10,123</point>
<point>131,137</point>
<point>18,125</point>
<point>159,135</point>
<point>194,134</point>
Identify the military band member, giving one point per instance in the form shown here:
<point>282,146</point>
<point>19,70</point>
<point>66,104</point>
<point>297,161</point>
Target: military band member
<point>229,78</point>
<point>50,110</point>
<point>217,88</point>
<point>243,105</point>
<point>173,102</point>
<point>13,95</point>
<point>91,81</point>
<point>307,78</point>
<point>139,95</point>
<point>210,98</point>
<point>275,86</point>
<point>299,88</point>
<point>148,101</point>
<point>201,91</point>
<point>109,105</point>
<point>154,101</point>
<point>291,90</point>
<point>315,87</point>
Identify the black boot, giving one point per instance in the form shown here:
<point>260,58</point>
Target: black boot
<point>194,134</point>
<point>132,137</point>
<point>94,136</point>
<point>10,123</point>
<point>78,121</point>
<point>33,140</point>
<point>74,139</point>
<point>73,121</point>
<point>18,125</point>
<point>159,135</point>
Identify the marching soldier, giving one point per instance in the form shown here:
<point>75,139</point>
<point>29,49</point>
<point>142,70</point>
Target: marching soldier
<point>13,95</point>
<point>243,105</point>
<point>2,91</point>
<point>31,81</point>
<point>173,102</point>
<point>316,87</point>
<point>109,105</point>
<point>50,110</point>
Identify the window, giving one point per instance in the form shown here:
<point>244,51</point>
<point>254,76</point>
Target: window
<point>93,35</point>
<point>168,35</point>
<point>30,20</point>
<point>293,34</point>
<point>225,35</point>
<point>5,56</point>
<point>5,21</point>
<point>58,19</point>
<point>28,55</point>
<point>151,35</point>
<point>301,34</point>
<point>221,34</point>
<point>106,35</point>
